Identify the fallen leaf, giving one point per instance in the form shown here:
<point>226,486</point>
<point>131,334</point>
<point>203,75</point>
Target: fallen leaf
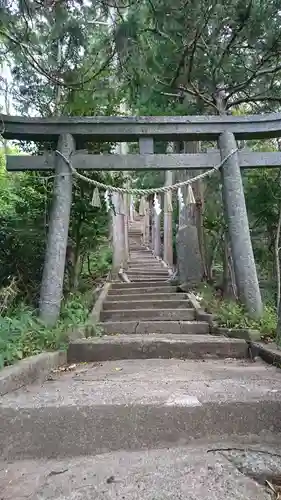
<point>72,367</point>
<point>56,472</point>
<point>110,480</point>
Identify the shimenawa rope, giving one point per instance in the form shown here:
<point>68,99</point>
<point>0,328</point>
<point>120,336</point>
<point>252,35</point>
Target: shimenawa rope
<point>144,192</point>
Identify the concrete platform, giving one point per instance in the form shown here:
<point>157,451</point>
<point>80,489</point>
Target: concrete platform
<point>143,327</point>
<point>133,405</point>
<point>162,314</point>
<point>184,473</point>
<point>155,346</point>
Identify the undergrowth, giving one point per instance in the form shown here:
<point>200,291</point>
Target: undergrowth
<point>22,334</point>
<point>231,314</point>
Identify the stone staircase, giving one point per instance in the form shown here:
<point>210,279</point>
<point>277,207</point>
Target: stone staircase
<point>149,318</point>
<point>125,424</point>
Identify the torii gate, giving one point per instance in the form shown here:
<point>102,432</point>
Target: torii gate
<point>67,131</point>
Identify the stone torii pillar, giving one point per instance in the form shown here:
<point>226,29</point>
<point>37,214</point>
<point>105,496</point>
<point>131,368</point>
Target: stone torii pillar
<point>152,225</point>
<point>118,235</point>
<point>126,229</point>
<point>146,223</point>
<point>238,226</point>
<point>53,273</point>
<point>157,233</point>
<point>168,222</point>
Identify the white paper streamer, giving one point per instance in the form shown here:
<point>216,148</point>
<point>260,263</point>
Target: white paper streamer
<point>180,198</point>
<point>157,206</point>
<point>190,200</point>
<point>106,198</point>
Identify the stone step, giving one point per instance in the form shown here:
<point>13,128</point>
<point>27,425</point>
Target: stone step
<point>147,327</point>
<point>112,305</point>
<point>148,272</point>
<point>139,290</point>
<point>137,248</point>
<point>133,405</point>
<point>139,296</point>
<point>154,346</point>
<point>144,262</point>
<point>152,279</point>
<point>143,257</point>
<point>148,314</point>
<point>184,472</point>
<point>140,284</point>
<point>140,252</point>
<point>137,254</point>
<point>154,264</point>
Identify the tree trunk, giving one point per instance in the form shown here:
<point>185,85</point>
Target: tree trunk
<point>53,274</point>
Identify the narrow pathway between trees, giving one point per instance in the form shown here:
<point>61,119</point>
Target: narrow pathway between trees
<point>156,408</point>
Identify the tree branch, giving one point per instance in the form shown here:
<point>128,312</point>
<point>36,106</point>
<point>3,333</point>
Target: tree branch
<point>233,37</point>
<point>37,66</point>
<point>255,98</point>
<point>257,72</point>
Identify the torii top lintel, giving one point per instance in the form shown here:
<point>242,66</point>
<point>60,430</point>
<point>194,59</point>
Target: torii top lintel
<point>126,129</point>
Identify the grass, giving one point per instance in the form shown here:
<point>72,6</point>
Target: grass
<point>231,314</point>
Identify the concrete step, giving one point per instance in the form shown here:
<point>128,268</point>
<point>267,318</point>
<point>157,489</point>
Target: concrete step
<point>141,263</point>
<point>148,314</point>
<point>133,405</point>
<point>141,284</point>
<point>147,268</point>
<point>138,254</point>
<point>147,272</point>
<point>111,305</point>
<point>144,262</point>
<point>187,472</point>
<point>141,255</point>
<point>155,346</point>
<point>138,251</point>
<point>145,265</point>
<point>139,290</point>
<point>139,296</point>
<point>142,327</point>
<point>152,279</point>
<point>156,268</point>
